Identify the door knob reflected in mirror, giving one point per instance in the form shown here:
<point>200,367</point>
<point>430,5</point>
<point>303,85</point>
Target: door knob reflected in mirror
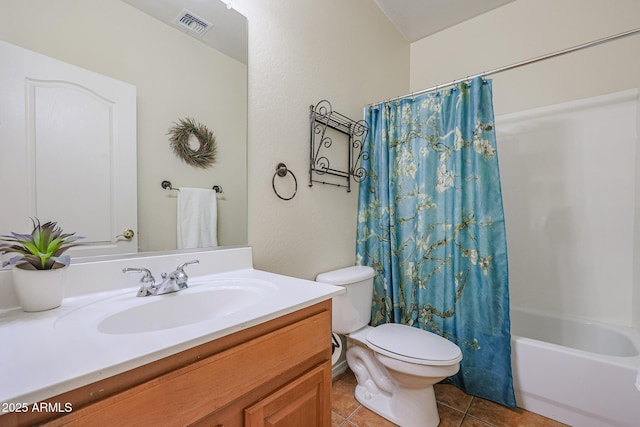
<point>127,235</point>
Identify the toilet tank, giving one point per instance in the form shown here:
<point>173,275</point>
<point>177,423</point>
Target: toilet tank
<point>351,310</point>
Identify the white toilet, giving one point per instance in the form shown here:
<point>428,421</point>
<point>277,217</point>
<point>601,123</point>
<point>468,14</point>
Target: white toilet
<point>395,365</point>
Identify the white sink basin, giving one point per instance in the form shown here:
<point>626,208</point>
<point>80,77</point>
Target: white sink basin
<point>182,308</point>
<point>202,301</point>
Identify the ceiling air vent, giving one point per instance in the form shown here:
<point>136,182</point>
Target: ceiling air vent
<point>192,22</point>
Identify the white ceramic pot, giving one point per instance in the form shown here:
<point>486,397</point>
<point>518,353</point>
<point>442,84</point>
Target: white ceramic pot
<point>39,290</point>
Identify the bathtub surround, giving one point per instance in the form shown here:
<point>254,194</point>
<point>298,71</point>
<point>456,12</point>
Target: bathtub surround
<point>430,222</point>
<point>568,183</point>
<point>557,177</point>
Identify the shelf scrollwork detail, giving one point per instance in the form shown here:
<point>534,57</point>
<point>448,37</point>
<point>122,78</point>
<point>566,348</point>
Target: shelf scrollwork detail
<point>326,126</point>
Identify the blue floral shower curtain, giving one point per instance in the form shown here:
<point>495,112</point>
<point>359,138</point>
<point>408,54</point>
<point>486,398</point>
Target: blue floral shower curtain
<point>431,223</point>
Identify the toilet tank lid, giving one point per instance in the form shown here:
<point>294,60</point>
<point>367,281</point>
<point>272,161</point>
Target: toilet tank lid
<point>345,276</point>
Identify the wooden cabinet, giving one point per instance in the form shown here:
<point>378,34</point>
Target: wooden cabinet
<point>274,374</point>
<point>302,402</point>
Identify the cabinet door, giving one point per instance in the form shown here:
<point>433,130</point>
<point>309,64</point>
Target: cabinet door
<point>303,402</point>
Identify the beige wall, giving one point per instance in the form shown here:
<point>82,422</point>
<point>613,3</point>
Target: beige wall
<point>175,75</point>
<point>526,29</point>
<point>301,52</point>
<point>519,31</point>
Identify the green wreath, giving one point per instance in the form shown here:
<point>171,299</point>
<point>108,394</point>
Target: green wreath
<point>179,136</point>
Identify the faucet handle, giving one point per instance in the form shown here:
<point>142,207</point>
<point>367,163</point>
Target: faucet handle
<point>146,278</point>
<point>184,264</point>
<point>148,283</point>
<point>180,276</point>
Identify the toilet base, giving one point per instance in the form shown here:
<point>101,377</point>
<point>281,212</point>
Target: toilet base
<point>414,408</point>
<point>406,400</point>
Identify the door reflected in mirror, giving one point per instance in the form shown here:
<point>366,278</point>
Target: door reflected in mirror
<point>175,74</point>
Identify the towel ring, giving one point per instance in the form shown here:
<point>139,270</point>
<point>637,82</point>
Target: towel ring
<point>282,171</point>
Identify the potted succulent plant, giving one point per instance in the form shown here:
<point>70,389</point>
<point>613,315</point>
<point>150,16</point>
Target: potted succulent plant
<point>39,264</point>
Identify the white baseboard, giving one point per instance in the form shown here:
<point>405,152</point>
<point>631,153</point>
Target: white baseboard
<point>338,368</point>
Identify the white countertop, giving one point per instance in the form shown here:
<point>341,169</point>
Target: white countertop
<point>47,353</point>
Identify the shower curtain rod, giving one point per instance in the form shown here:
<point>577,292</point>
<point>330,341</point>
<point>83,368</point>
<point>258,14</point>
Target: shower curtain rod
<point>517,64</point>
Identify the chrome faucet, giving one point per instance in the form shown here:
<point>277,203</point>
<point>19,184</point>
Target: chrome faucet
<point>173,282</point>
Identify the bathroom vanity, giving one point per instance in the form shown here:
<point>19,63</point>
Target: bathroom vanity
<point>266,362</point>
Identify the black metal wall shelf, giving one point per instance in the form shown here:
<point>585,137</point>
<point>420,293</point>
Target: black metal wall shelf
<point>325,126</point>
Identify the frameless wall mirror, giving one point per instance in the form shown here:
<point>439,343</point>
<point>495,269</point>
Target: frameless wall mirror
<point>142,65</point>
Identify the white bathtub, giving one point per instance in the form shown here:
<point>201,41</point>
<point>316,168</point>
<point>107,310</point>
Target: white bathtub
<point>577,372</point>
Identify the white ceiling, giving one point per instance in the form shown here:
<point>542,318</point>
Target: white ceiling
<point>228,31</point>
<point>417,19</point>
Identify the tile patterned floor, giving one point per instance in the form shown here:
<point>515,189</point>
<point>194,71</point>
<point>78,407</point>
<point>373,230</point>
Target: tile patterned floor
<point>456,409</point>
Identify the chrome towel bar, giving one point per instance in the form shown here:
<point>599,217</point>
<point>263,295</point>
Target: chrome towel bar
<point>167,186</point>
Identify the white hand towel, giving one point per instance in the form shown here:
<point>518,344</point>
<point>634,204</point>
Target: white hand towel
<point>197,218</point>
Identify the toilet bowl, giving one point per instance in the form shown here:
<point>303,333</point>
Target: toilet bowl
<point>395,365</point>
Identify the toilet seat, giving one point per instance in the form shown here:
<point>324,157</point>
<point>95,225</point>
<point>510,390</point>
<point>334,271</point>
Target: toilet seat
<point>413,345</point>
